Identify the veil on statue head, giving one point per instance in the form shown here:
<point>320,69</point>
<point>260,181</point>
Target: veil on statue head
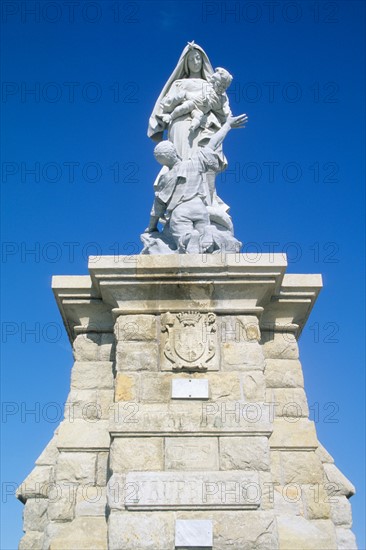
<point>155,129</point>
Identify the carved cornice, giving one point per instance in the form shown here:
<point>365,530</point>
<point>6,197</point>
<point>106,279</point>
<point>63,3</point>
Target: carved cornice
<point>223,284</point>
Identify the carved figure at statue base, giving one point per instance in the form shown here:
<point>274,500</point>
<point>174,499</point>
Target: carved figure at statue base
<point>181,199</point>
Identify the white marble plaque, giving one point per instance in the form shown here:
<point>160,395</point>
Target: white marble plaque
<point>189,388</point>
<point>193,533</point>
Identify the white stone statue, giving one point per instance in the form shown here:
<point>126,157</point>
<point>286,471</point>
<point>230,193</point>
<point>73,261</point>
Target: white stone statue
<point>190,78</point>
<point>192,107</point>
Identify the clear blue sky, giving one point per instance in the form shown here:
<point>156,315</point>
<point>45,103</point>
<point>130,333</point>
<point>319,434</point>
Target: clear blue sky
<point>298,181</point>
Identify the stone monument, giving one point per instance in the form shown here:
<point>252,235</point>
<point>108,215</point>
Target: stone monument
<point>186,425</point>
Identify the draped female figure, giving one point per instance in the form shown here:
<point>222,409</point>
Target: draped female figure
<point>191,76</point>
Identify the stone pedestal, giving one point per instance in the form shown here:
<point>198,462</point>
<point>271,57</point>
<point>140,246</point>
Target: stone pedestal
<point>186,425</point>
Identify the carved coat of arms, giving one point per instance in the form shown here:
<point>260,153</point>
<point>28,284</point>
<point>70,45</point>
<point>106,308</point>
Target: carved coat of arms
<point>190,340</point>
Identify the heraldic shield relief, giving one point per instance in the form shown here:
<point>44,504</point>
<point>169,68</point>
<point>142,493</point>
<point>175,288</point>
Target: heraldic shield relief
<point>190,343</point>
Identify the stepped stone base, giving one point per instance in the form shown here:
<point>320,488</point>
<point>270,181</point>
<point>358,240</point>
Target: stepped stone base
<point>186,425</point>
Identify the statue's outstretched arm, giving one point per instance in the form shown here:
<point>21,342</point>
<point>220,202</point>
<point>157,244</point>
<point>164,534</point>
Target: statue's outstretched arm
<point>220,135</point>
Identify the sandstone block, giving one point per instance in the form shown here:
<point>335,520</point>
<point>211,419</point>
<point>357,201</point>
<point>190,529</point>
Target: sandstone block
<point>90,501</point>
<point>346,540</point>
<point>102,468</point>
<point>191,453</point>
<point>140,453</point>
<point>139,328</point>
<point>136,356</point>
<point>266,487</point>
<point>245,530</point>
<point>289,402</point>
<point>298,532</point>
<point>316,501</point>
<point>341,512</point>
<point>105,399</point>
<point>106,348</point>
<point>156,387</point>
<point>242,356</point>
<point>89,375</point>
<point>287,500</point>
<point>90,405</point>
<point>276,468</point>
<point>126,387</point>
<point>133,531</point>
<point>82,533</point>
<point>244,453</point>
<point>62,501</point>
<point>323,454</point>
<point>37,484</point>
<point>86,346</point>
<point>77,403</point>
<point>293,433</point>
<point>32,540</point>
<point>279,345</point>
<point>283,373</point>
<point>230,329</point>
<point>338,483</point>
<point>301,467</point>
<point>49,455</point>
<point>225,385</point>
<point>239,328</point>
<point>35,514</point>
<point>84,434</point>
<point>76,467</point>
<point>253,386</point>
<point>93,346</point>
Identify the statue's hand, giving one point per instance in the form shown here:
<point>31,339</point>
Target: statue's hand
<point>237,121</point>
<point>166,118</point>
